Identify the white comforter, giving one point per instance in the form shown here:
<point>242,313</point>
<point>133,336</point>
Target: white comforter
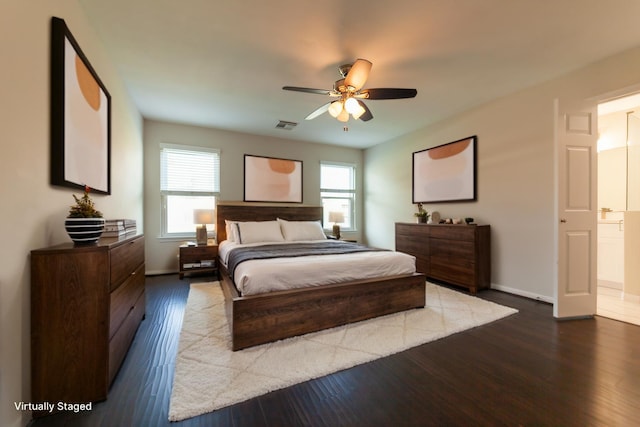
<point>267,275</point>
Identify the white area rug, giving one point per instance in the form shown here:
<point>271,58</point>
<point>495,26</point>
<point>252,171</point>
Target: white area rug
<point>209,376</point>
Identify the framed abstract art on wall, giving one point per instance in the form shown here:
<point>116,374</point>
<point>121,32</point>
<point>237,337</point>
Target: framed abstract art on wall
<point>446,173</point>
<point>80,117</point>
<point>269,179</point>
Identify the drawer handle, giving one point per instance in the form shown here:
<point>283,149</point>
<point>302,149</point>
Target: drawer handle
<point>133,274</point>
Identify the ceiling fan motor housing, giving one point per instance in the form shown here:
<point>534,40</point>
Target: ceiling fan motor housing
<point>344,69</point>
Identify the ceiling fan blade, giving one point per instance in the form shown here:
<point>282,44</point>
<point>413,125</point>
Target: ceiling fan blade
<point>308,90</point>
<point>366,116</point>
<point>323,109</point>
<point>358,74</point>
<point>388,93</point>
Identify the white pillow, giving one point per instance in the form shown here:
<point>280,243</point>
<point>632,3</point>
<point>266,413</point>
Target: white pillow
<point>259,232</point>
<point>301,230</point>
<point>232,230</point>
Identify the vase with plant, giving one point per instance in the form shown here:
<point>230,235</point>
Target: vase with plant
<point>421,216</point>
<point>85,223</point>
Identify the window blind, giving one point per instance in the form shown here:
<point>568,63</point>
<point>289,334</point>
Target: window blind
<point>189,170</point>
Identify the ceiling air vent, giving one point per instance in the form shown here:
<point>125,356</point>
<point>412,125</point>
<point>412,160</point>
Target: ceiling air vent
<point>282,124</point>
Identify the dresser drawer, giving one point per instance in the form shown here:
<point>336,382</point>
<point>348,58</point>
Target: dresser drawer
<point>124,298</point>
<point>455,250</point>
<point>460,273</point>
<point>453,232</point>
<point>125,259</point>
<point>119,344</point>
<point>412,231</point>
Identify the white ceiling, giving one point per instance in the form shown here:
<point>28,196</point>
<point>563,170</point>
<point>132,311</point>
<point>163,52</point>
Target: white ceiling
<point>222,63</point>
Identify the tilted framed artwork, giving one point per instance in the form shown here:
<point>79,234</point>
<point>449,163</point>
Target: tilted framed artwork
<point>269,179</point>
<point>80,117</point>
<point>446,173</point>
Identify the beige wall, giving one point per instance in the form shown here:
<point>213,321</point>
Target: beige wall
<point>162,253</point>
<point>515,173</point>
<point>33,212</point>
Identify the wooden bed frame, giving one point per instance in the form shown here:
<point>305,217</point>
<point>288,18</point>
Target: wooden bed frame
<point>259,319</point>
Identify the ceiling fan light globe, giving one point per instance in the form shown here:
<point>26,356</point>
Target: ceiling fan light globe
<point>351,105</point>
<point>359,112</point>
<point>343,116</point>
<point>335,108</point>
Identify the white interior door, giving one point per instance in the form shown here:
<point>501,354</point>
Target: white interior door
<point>576,210</point>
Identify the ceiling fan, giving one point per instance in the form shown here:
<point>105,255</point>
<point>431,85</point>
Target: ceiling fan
<point>350,93</point>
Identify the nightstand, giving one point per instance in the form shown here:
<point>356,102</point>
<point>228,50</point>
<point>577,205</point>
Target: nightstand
<point>198,259</point>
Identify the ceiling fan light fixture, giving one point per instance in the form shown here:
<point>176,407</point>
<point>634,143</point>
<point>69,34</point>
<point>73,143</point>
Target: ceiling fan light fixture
<point>351,105</point>
<point>359,112</point>
<point>343,116</point>
<point>335,108</point>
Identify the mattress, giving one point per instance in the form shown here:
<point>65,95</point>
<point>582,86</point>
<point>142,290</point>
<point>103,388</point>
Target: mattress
<point>276,274</point>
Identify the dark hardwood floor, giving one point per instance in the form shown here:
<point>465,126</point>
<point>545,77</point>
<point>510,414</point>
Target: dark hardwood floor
<point>525,370</point>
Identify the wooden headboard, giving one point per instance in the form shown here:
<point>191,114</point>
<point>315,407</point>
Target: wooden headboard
<point>247,211</point>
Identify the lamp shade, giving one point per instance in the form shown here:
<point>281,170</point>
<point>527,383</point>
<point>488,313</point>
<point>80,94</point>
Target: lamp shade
<point>203,216</point>
<point>336,217</point>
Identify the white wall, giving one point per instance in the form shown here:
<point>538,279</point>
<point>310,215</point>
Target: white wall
<point>515,173</point>
<point>162,253</point>
<point>33,212</point>
<point>612,161</point>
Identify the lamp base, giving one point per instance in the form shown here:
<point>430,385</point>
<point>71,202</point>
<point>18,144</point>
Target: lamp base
<point>201,235</point>
<point>336,231</point>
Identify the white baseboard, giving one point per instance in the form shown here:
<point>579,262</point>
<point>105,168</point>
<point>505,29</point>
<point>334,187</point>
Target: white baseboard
<point>630,297</point>
<point>522,293</point>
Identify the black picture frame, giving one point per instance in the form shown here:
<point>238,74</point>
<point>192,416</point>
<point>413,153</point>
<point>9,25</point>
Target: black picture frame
<point>446,173</point>
<point>272,179</point>
<point>80,117</point>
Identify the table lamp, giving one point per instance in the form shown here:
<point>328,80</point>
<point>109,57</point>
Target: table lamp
<point>203,217</point>
<point>336,218</point>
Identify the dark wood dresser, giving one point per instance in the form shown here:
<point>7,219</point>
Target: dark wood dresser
<point>86,305</point>
<point>455,254</point>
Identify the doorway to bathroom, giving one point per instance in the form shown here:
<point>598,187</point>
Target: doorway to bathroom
<point>618,294</point>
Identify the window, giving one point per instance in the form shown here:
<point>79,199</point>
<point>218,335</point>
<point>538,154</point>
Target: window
<point>189,179</point>
<point>338,193</point>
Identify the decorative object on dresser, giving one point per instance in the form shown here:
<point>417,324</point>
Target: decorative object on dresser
<point>203,217</point>
<point>422,215</point>
<point>455,254</point>
<point>84,224</point>
<point>445,173</point>
<point>86,305</point>
<point>119,227</point>
<point>198,259</point>
<point>336,218</point>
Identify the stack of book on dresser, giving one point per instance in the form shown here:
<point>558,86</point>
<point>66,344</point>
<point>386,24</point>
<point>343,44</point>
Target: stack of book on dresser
<point>119,227</point>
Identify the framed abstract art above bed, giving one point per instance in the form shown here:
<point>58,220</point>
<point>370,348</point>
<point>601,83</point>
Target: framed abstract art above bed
<point>270,179</point>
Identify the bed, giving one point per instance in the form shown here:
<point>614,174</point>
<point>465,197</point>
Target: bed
<point>270,316</point>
